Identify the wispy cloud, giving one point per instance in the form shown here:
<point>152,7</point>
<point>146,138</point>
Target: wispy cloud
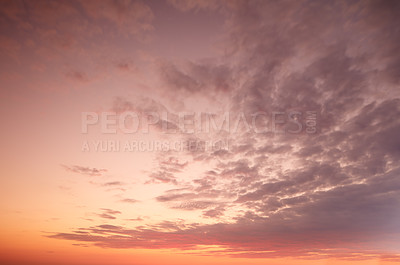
<point>129,200</point>
<point>108,213</point>
<point>84,170</point>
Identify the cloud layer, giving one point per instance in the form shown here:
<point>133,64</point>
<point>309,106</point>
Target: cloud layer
<point>330,193</point>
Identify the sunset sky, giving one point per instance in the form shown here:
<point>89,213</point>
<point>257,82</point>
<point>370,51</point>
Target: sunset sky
<point>200,132</point>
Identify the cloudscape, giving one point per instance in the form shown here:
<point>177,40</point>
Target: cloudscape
<point>200,132</point>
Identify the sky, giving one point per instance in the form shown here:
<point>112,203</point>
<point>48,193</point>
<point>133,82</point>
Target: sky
<point>203,132</point>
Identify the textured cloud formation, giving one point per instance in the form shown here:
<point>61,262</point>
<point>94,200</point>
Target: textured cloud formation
<point>333,193</point>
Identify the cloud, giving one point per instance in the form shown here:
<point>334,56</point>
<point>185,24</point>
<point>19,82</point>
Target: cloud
<point>129,17</point>
<point>77,76</point>
<point>166,171</point>
<point>189,5</point>
<point>194,205</point>
<point>135,219</point>
<point>125,65</point>
<point>127,200</point>
<point>108,213</point>
<point>113,183</point>
<point>214,213</point>
<point>333,193</point>
<point>85,170</point>
<point>153,115</point>
<point>52,40</point>
<point>295,232</point>
<point>196,77</point>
